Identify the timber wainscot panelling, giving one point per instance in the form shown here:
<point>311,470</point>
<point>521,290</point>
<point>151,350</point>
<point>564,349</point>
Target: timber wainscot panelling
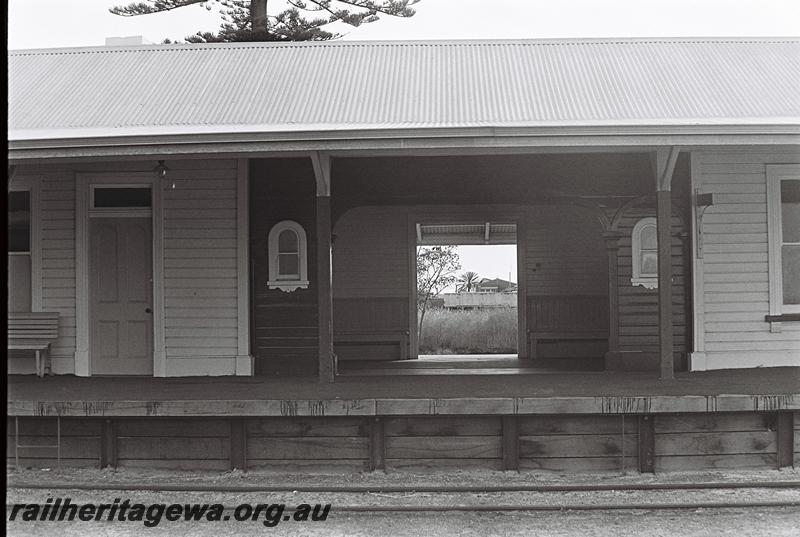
<point>370,280</point>
<point>565,252</point>
<point>174,443</point>
<point>714,441</point>
<point>444,443</point>
<point>284,325</point>
<point>80,442</point>
<point>308,444</point>
<point>547,443</point>
<point>566,282</point>
<point>572,444</point>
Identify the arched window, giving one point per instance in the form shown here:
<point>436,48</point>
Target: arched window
<point>644,246</point>
<point>286,248</point>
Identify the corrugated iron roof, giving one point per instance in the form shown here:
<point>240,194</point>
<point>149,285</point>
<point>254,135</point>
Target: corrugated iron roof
<point>289,87</point>
<point>474,233</point>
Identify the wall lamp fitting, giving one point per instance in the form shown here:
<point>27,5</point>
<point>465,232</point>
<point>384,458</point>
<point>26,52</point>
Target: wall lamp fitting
<point>161,169</point>
<point>705,200</point>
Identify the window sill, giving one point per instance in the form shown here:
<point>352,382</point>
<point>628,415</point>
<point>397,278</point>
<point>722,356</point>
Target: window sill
<point>776,320</point>
<point>786,317</point>
<point>647,283</point>
<point>287,286</point>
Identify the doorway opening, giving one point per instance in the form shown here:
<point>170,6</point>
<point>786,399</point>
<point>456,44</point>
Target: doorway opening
<point>467,291</point>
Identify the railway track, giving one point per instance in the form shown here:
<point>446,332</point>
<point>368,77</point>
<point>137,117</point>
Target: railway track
<point>386,489</point>
<point>531,498</point>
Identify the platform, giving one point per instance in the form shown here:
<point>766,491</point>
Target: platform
<point>480,394</point>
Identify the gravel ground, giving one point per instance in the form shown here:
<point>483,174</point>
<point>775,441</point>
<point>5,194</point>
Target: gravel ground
<point>782,522</point>
<point>737,521</point>
<point>445,478</point>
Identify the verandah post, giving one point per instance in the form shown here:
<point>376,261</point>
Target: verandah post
<point>322,172</point>
<point>612,250</point>
<point>664,166</point>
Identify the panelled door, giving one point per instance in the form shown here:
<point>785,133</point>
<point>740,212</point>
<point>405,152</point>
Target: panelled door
<point>121,296</point>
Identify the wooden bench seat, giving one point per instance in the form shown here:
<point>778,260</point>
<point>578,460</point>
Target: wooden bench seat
<point>589,335</point>
<point>566,318</point>
<point>33,331</point>
<point>381,337</point>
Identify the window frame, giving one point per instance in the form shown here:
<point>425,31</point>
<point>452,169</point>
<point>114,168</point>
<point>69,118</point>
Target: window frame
<point>776,174</point>
<point>32,186</point>
<point>121,211</point>
<point>293,281</point>
<point>648,281</point>
<point>30,223</point>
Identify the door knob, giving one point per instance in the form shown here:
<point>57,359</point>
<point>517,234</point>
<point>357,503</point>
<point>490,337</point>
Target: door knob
<point>148,310</point>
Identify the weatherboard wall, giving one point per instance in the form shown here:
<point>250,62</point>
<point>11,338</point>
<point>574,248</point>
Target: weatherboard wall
<point>201,262</point>
<point>733,268</point>
<point>638,305</point>
<point>283,339</point>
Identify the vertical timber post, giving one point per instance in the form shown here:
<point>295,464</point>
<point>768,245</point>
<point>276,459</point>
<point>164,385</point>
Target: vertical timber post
<point>647,444</point>
<point>612,249</point>
<point>108,444</point>
<point>238,444</point>
<point>377,449</point>
<point>322,173</point>
<point>785,439</point>
<point>510,443</point>
<point>664,166</point>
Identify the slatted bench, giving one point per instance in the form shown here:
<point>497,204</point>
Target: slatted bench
<point>33,331</point>
<point>382,337</point>
<point>566,318</point>
<point>534,337</point>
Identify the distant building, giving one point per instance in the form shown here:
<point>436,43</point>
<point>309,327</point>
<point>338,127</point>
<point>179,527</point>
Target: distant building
<point>496,285</point>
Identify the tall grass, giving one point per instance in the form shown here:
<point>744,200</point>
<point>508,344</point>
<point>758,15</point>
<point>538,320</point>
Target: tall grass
<point>476,331</point>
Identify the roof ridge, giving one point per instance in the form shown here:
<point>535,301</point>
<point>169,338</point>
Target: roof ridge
<point>405,43</point>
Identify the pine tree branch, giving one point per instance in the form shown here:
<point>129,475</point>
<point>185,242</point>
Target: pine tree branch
<point>248,20</point>
<point>395,8</point>
<point>152,6</point>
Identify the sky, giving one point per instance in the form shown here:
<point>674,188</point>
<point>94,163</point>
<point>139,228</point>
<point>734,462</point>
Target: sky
<point>491,261</point>
<point>72,23</point>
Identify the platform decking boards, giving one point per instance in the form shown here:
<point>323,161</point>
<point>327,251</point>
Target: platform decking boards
<point>601,392</point>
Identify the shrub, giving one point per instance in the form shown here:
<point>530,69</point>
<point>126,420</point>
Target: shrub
<point>476,331</point>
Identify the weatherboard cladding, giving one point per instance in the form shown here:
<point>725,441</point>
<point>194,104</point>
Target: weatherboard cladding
<point>272,87</point>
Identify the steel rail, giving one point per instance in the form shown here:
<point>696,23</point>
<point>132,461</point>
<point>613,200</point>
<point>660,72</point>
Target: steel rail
<point>639,506</point>
<point>189,487</point>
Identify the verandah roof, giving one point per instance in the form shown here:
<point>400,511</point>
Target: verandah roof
<point>339,86</point>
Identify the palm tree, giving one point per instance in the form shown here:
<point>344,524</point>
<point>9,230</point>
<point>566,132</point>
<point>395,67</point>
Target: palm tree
<point>467,282</point>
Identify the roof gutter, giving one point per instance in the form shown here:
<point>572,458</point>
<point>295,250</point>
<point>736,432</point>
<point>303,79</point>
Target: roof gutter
<point>400,140</point>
